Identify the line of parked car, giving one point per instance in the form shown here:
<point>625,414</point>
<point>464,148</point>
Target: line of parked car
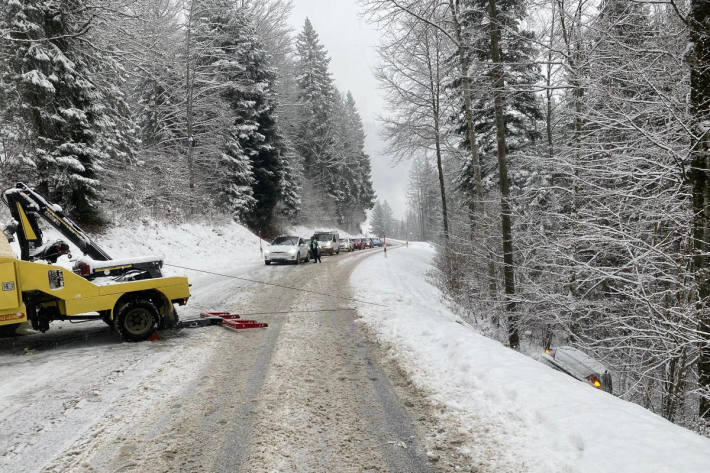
<point>295,249</point>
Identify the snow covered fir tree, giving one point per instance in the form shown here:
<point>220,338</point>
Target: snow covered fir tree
<point>62,119</point>
<point>232,116</point>
<point>330,139</point>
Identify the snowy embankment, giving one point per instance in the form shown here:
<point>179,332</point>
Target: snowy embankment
<point>227,248</point>
<point>510,413</point>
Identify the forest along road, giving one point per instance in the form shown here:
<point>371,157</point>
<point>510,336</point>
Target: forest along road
<point>307,394</point>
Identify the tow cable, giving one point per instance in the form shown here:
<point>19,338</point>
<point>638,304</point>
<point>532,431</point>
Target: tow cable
<point>235,322</point>
<point>277,285</point>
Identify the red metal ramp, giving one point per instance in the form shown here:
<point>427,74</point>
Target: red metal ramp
<point>233,321</point>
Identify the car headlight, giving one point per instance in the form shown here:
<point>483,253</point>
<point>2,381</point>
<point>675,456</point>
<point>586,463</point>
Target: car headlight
<point>292,251</point>
<point>267,252</point>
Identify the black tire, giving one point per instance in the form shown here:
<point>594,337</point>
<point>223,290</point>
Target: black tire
<point>137,320</point>
<point>8,330</point>
<point>298,258</point>
<point>267,263</point>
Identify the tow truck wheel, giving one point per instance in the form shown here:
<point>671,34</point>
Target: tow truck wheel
<point>136,320</point>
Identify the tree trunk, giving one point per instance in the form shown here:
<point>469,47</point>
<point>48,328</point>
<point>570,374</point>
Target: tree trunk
<point>505,209</point>
<point>435,98</point>
<point>442,187</point>
<point>700,183</point>
<point>572,38</point>
<point>189,82</point>
<point>548,84</point>
<point>472,141</point>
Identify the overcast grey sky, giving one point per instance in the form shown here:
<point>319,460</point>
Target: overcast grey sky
<point>351,43</point>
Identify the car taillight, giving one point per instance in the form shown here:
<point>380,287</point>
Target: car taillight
<point>594,380</point>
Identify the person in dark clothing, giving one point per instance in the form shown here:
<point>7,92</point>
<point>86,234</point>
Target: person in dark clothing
<point>315,250</point>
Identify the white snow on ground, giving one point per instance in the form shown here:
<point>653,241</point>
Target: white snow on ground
<point>190,244</point>
<point>512,413</point>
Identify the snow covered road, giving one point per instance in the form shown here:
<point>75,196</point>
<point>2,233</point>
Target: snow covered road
<point>332,384</point>
<point>306,394</point>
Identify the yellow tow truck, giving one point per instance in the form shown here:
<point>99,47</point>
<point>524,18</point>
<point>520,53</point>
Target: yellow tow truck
<point>130,295</point>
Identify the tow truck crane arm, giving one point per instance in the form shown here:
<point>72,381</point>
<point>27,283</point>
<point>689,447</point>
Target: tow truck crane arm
<point>26,206</point>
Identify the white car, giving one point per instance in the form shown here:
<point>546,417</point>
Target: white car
<point>286,249</point>
<point>579,365</point>
<point>346,244</point>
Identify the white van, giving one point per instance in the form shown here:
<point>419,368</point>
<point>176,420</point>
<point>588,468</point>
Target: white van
<point>328,242</point>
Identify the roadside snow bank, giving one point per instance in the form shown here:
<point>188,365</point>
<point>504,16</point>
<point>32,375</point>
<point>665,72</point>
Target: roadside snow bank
<point>511,413</point>
<point>214,248</point>
<point>217,247</point>
<point>225,248</point>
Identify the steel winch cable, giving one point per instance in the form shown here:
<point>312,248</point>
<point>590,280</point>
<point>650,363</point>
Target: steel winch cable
<point>273,312</point>
<point>255,281</point>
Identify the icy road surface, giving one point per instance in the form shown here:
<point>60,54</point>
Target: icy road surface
<point>308,394</point>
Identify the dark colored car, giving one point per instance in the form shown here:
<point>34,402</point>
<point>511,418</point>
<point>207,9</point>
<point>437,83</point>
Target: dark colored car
<point>367,242</point>
<point>376,242</point>
<point>357,243</point>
